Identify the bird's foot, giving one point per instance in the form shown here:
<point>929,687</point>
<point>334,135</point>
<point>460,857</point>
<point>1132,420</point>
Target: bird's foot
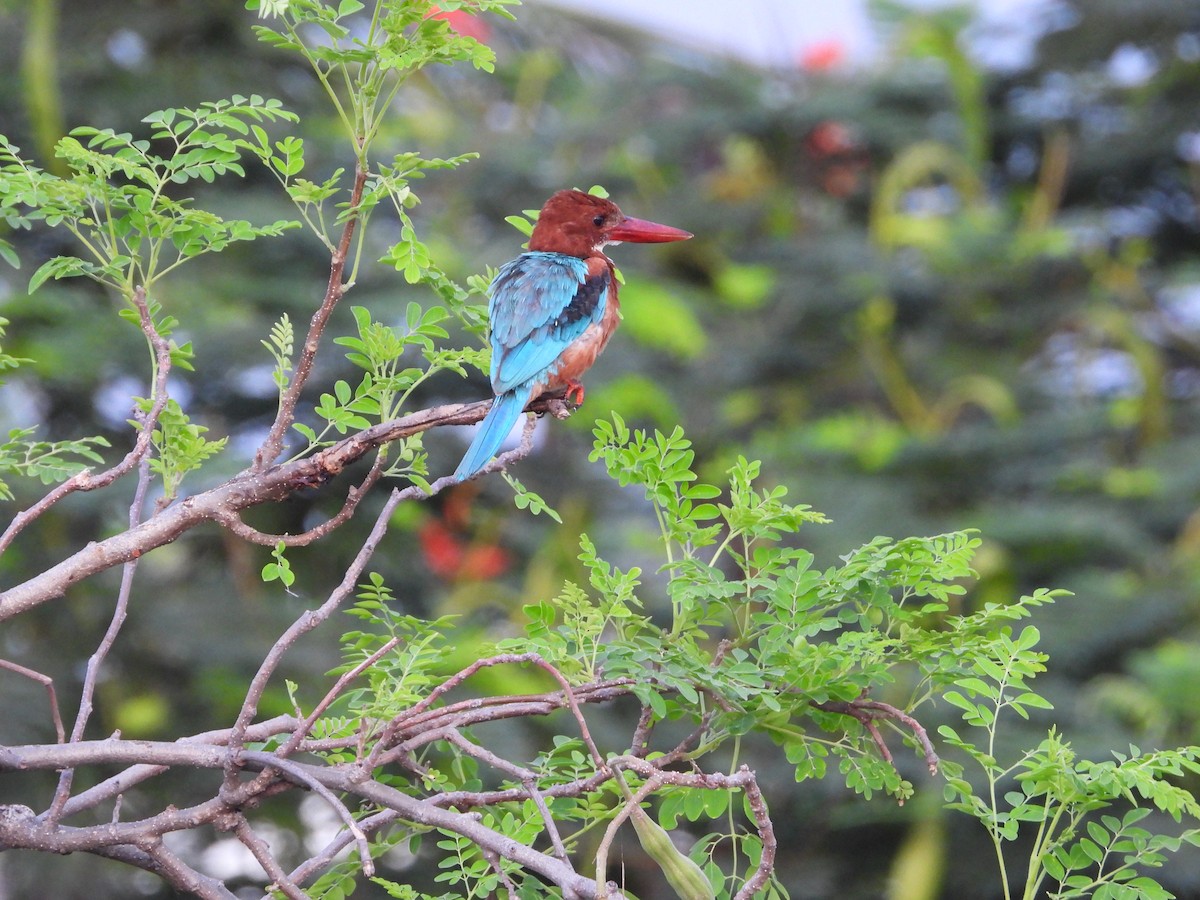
<point>574,392</point>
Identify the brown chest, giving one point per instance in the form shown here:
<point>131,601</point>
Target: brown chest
<point>582,353</point>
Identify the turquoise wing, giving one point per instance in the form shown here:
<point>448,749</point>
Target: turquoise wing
<point>540,304</point>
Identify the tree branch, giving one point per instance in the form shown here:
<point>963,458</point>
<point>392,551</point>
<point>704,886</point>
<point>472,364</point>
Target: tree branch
<point>184,877</point>
<point>321,860</point>
<point>244,491</point>
<point>85,480</point>
<point>869,711</point>
<point>48,683</point>
<point>335,289</point>
<point>300,775</point>
<point>262,852</point>
<point>353,497</point>
<point>241,492</point>
<point>96,660</point>
<point>143,771</point>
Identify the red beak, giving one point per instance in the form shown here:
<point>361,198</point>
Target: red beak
<point>639,231</point>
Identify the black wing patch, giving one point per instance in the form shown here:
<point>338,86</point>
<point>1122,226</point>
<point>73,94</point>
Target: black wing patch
<point>583,304</point>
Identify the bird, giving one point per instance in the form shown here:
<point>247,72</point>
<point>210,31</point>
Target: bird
<point>553,309</point>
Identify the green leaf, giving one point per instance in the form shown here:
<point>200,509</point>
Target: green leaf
<point>526,499</point>
<point>9,255</point>
<point>58,267</point>
<point>520,223</point>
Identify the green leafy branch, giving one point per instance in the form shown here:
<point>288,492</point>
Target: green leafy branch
<point>180,445</point>
<point>827,664</point>
<point>362,70</point>
<point>117,200</point>
<point>48,461</point>
<point>1057,796</point>
<point>362,56</point>
<point>386,354</point>
<point>362,67</point>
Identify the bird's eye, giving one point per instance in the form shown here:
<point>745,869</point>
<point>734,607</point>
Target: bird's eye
<point>598,221</point>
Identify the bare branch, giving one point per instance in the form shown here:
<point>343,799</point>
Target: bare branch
<point>184,877</point>
<point>19,828</point>
<point>243,491</point>
<point>419,713</point>
<point>96,661</point>
<point>869,711</point>
<point>353,497</point>
<point>118,784</point>
<point>298,773</point>
<point>527,778</point>
<point>47,682</point>
<point>487,839</point>
<point>262,852</point>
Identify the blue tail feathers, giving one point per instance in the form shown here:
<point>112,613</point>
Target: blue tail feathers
<point>492,431</point>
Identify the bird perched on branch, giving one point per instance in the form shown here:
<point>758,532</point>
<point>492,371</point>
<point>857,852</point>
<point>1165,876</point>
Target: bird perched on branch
<point>553,310</point>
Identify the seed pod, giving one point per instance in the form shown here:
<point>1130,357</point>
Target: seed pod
<point>687,878</point>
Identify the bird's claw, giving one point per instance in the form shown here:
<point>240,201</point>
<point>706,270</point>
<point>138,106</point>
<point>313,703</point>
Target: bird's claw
<point>574,393</point>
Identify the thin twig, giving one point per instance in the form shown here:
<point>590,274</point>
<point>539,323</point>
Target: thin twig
<point>262,852</point>
<point>425,814</point>
<point>482,709</point>
<point>868,711</point>
<point>388,737</point>
<point>307,622</point>
<point>182,876</point>
<point>85,480</point>
<point>96,661</point>
<point>527,778</point>
<point>48,683</point>
<point>335,289</point>
<point>493,860</point>
<point>354,496</point>
<point>292,743</point>
<point>639,744</point>
<point>298,773</point>
<point>321,860</point>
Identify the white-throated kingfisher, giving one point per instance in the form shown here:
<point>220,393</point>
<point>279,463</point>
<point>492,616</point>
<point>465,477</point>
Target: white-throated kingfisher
<point>553,310</point>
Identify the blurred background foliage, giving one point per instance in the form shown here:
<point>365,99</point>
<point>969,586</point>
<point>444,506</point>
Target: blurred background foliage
<point>927,294</point>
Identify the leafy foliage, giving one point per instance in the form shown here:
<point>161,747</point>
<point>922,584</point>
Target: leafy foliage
<point>1084,851</point>
<point>118,203</point>
<point>762,644</point>
<point>737,641</point>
